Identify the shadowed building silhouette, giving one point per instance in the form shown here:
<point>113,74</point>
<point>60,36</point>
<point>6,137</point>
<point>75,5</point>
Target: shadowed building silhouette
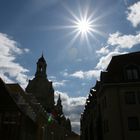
<point>41,87</point>
<point>58,127</point>
<point>32,114</point>
<point>17,117</point>
<point>112,110</point>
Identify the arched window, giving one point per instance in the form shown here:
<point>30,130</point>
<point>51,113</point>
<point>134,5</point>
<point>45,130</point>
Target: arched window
<point>132,72</point>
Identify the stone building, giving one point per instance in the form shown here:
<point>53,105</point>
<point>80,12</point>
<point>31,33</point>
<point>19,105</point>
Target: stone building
<point>33,114</point>
<point>43,90</point>
<point>41,87</point>
<point>17,119</point>
<point>112,110</point>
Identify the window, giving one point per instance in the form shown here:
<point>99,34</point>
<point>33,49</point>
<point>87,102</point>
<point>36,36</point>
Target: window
<point>133,123</point>
<point>105,126</point>
<point>132,73</point>
<point>130,98</point>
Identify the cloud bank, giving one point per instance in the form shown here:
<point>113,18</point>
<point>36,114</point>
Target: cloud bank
<point>133,14</point>
<point>72,106</point>
<point>124,41</point>
<point>86,74</point>
<point>10,69</point>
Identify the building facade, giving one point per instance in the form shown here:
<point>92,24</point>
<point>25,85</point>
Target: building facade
<point>41,87</point>
<point>15,122</point>
<point>58,126</point>
<point>33,114</point>
<point>112,110</point>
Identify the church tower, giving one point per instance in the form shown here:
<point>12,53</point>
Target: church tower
<point>59,106</point>
<point>41,67</point>
<point>41,87</point>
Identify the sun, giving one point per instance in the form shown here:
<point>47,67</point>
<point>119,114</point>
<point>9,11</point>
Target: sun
<point>84,26</point>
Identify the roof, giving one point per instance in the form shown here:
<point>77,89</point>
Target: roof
<point>15,88</point>
<point>116,70</point>
<point>21,99</point>
<point>42,59</point>
<point>123,58</point>
<point>6,100</point>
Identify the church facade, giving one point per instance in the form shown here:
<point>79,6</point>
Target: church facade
<point>32,114</point>
<point>41,87</point>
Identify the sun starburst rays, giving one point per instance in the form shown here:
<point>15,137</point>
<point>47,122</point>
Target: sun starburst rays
<point>82,25</point>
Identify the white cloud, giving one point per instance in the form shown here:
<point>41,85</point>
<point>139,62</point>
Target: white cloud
<point>133,14</point>
<point>123,41</point>
<point>104,61</point>
<point>117,43</point>
<point>103,51</point>
<point>72,106</point>
<point>64,73</point>
<point>78,74</point>
<point>59,83</point>
<point>75,125</point>
<point>51,77</point>
<point>11,71</point>
<point>86,74</point>
<point>72,101</point>
<point>26,50</point>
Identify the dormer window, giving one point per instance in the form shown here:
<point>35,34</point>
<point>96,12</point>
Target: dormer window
<point>132,73</point>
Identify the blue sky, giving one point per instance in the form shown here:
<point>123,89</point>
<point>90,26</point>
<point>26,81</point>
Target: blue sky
<point>28,28</point>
